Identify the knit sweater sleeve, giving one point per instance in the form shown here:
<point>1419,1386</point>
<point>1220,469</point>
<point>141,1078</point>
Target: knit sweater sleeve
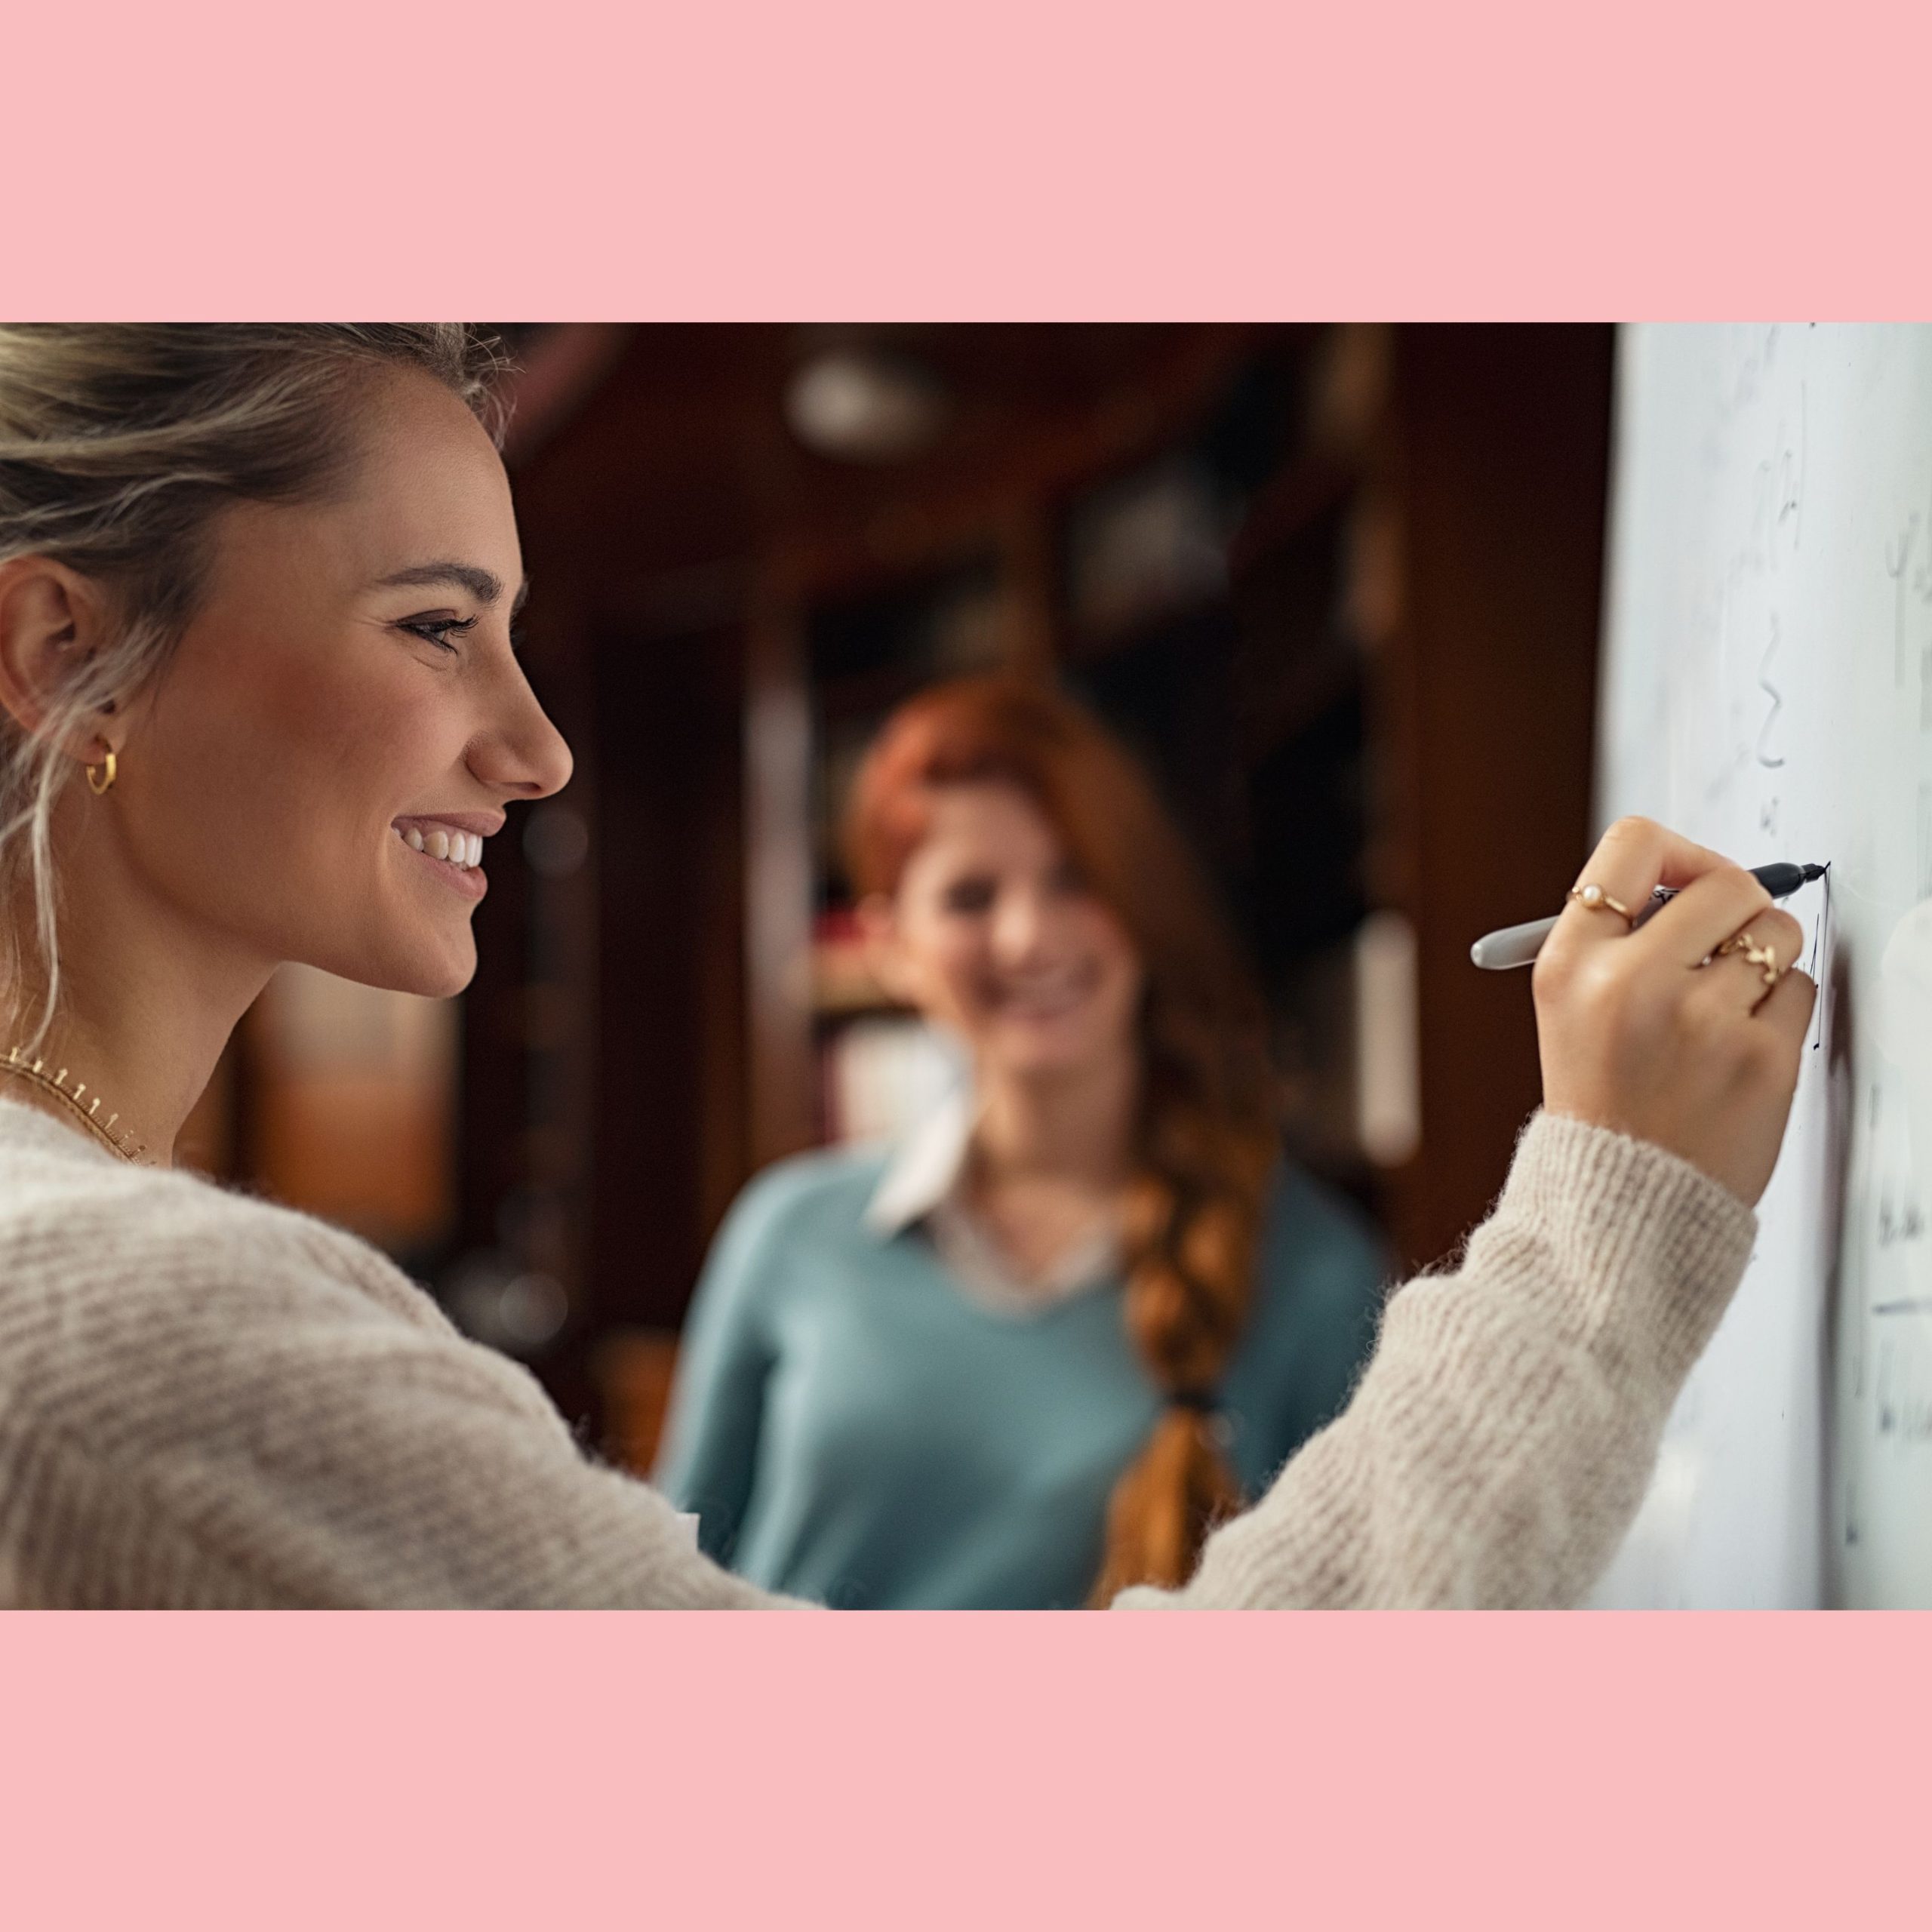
<point>218,1403</point>
<point>1500,1441</point>
<point>209,1402</point>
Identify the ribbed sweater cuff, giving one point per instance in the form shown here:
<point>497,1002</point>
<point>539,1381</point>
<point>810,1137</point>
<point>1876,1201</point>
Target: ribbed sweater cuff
<point>1649,1249</point>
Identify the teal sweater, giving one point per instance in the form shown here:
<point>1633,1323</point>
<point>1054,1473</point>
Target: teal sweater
<point>850,1427</point>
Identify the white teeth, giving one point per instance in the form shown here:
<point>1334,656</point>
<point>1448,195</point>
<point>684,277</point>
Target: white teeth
<point>456,848</point>
<point>1047,999</point>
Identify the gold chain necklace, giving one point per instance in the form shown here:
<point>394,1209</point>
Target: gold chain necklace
<point>86,1112</point>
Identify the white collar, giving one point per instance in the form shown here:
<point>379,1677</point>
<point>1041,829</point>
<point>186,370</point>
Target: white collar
<point>925,1168</point>
<point>921,1183</point>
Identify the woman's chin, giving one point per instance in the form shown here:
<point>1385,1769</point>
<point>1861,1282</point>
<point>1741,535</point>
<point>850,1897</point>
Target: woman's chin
<point>446,978</point>
<point>1047,1049</point>
<point>445,986</point>
<point>443,960</point>
<point>438,971</point>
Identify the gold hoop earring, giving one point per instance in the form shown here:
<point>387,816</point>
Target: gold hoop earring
<point>101,787</point>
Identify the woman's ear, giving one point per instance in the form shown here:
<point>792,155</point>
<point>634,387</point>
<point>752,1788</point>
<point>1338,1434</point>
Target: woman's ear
<point>51,622</point>
<point>878,919</point>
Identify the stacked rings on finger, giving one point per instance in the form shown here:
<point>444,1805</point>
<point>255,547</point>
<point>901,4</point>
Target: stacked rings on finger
<point>1755,954</point>
<point>1596,899</point>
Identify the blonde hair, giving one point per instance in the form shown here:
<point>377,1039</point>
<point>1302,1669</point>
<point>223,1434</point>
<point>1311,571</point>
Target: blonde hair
<point>120,443</point>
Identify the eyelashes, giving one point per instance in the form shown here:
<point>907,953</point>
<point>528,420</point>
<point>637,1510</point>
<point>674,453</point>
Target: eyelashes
<point>971,896</point>
<point>438,631</point>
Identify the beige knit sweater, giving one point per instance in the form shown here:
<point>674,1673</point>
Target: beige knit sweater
<point>208,1401</point>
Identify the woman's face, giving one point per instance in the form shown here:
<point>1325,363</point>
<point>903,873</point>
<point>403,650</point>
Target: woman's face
<point>994,933</point>
<point>345,705</point>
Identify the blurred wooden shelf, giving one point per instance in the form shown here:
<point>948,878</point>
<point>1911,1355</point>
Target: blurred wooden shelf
<point>634,1369</point>
<point>1288,507</point>
<point>843,986</point>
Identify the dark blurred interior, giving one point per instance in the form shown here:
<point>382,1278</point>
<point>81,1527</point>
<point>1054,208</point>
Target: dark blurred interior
<point>1339,585</point>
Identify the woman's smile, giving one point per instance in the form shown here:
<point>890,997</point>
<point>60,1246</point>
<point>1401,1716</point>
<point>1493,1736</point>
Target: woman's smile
<point>451,845</point>
<point>1051,993</point>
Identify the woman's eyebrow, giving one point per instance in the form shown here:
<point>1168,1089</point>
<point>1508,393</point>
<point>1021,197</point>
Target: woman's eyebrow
<point>484,585</point>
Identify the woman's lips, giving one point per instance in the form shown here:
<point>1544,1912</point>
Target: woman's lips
<point>1045,1003</point>
<point>469,880</point>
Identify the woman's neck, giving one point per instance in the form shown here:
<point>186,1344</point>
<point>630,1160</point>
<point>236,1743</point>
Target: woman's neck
<point>1075,1128</point>
<point>142,1016</point>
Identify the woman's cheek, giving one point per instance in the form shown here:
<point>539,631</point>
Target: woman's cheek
<point>964,1001</point>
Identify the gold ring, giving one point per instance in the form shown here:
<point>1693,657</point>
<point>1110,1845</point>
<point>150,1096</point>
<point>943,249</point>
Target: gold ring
<point>1594,896</point>
<point>1755,955</point>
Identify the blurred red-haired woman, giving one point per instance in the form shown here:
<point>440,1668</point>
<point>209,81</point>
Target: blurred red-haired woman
<point>1030,1356</point>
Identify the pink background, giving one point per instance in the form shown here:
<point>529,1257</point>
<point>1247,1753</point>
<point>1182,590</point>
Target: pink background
<point>974,1772</point>
<point>885,158</point>
<point>1015,159</point>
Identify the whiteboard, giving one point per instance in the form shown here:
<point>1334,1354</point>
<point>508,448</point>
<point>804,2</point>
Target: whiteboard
<point>1767,690</point>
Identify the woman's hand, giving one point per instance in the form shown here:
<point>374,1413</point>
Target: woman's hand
<point>1654,1032</point>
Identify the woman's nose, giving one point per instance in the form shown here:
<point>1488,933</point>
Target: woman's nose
<point>1019,927</point>
<point>524,754</point>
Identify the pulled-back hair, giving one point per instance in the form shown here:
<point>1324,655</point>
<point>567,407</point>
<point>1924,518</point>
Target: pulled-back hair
<point>120,444</point>
<point>1205,1142</point>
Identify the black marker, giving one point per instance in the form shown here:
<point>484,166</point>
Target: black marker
<point>1517,945</point>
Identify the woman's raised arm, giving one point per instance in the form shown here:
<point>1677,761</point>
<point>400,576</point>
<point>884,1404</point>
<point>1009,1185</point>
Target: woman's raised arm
<point>1501,1439</point>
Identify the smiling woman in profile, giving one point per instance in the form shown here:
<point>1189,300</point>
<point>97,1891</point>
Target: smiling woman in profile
<point>259,702</point>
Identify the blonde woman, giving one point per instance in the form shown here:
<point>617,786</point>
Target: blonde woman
<point>259,702</point>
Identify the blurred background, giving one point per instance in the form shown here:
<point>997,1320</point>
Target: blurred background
<point>1339,586</point>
